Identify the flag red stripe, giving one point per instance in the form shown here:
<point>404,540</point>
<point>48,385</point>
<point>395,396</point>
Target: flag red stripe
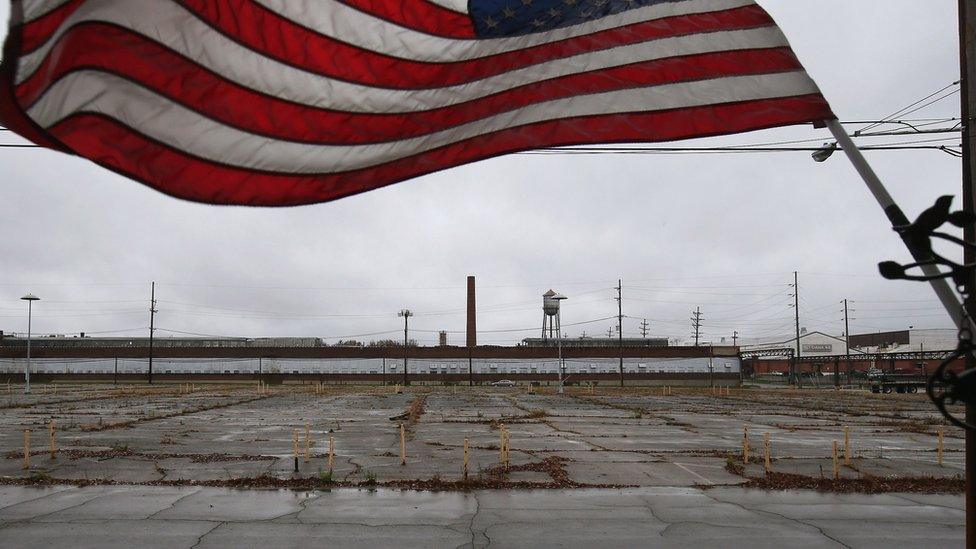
<point>176,173</point>
<point>12,116</point>
<point>419,15</point>
<point>171,75</point>
<point>39,30</point>
<point>271,35</point>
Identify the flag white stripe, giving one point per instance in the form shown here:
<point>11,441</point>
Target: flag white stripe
<point>460,6</point>
<point>360,29</point>
<point>183,129</point>
<point>35,9</point>
<point>190,37</point>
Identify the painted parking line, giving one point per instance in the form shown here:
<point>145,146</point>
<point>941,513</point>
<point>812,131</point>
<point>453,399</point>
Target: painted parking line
<point>689,471</point>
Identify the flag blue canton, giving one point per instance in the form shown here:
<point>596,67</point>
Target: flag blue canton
<point>498,18</point>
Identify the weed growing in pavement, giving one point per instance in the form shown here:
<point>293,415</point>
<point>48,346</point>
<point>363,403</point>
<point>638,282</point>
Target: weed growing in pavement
<point>40,476</point>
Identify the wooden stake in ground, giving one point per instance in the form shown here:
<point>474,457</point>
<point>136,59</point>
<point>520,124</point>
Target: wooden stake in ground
<point>939,448</point>
<point>502,442</point>
<point>767,462</point>
<point>403,445</point>
<point>466,459</point>
<point>508,447</point>
<point>26,448</point>
<point>745,445</point>
<point>54,450</point>
<point>836,462</point>
<point>331,453</point>
<point>308,442</point>
<point>847,446</point>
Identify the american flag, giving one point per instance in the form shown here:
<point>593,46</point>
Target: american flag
<point>287,102</point>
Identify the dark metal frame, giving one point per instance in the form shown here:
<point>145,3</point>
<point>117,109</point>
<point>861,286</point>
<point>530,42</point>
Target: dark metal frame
<point>945,387</point>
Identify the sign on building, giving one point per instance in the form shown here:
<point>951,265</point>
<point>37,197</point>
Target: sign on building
<point>818,347</point>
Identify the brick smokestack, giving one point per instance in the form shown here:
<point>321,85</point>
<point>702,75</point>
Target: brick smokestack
<point>472,330</point>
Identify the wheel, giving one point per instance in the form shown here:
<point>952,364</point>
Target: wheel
<point>913,389</point>
<point>886,389</point>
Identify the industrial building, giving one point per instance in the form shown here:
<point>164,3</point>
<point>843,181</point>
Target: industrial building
<point>596,342</point>
<point>637,360</point>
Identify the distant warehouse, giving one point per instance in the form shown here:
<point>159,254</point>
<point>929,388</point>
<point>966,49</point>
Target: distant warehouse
<point>83,342</point>
<point>596,342</point>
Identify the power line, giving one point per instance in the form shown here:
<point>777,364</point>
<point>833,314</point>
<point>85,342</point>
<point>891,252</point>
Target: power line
<point>901,112</point>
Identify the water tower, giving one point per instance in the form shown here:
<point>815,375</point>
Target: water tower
<point>550,315</point>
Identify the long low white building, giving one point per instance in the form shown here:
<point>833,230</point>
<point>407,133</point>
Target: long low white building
<point>366,365</point>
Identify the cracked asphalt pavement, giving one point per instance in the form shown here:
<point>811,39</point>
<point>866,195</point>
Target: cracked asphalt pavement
<point>625,468</point>
<point>155,516</point>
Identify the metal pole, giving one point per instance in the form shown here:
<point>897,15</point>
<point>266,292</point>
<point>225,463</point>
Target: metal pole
<point>115,377</point>
<point>152,326</point>
<point>711,369</point>
<point>559,344</point>
<point>620,327</point>
<point>847,342</point>
<point>406,322</point>
<point>897,218</point>
<point>27,372</point>
<point>837,372</point>
<point>967,13</point>
<point>796,309</point>
<point>967,58</point>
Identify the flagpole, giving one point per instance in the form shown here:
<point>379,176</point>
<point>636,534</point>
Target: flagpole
<point>943,290</point>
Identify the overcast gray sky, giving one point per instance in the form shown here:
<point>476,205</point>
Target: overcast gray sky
<point>724,232</point>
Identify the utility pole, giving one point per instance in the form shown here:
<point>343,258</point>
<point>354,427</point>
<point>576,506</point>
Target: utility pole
<point>152,325</point>
<point>620,327</point>
<point>696,324</point>
<point>847,341</point>
<point>406,314</point>
<point>735,338</point>
<point>794,377</point>
<point>644,328</point>
<point>610,332</point>
<point>967,57</point>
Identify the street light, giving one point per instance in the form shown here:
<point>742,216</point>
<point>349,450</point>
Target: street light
<point>30,299</point>
<point>559,339</point>
<point>825,152</point>
<point>406,314</point>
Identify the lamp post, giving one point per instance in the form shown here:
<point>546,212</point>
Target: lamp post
<point>30,299</point>
<point>406,314</point>
<point>559,339</point>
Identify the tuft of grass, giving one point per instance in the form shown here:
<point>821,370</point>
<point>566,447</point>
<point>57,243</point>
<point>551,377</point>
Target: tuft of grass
<point>733,466</point>
<point>369,478</point>
<point>40,476</point>
<point>325,476</point>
